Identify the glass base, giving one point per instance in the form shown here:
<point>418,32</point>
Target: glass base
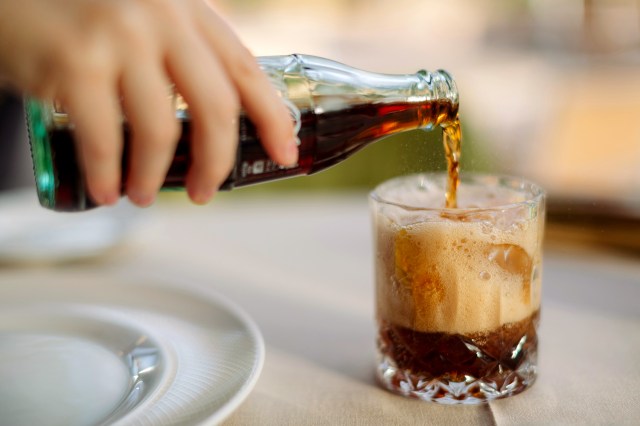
<point>444,390</point>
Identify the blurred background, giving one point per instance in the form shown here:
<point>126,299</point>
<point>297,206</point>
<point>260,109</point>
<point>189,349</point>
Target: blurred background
<point>549,90</point>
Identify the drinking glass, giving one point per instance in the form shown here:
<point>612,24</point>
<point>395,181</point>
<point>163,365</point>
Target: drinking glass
<point>457,290</point>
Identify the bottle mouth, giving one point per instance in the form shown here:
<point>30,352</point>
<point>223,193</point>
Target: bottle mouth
<point>441,84</point>
<point>449,85</point>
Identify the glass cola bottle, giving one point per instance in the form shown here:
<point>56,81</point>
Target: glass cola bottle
<point>337,110</point>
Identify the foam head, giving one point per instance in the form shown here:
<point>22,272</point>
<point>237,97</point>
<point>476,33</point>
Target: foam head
<point>463,270</point>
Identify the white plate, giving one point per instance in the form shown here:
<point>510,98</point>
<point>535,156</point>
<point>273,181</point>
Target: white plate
<point>31,233</point>
<point>78,352</point>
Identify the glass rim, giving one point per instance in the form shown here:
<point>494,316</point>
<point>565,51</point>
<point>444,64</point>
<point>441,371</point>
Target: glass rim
<point>537,193</point>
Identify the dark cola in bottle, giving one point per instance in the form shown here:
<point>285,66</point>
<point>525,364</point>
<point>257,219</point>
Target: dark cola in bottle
<point>337,110</point>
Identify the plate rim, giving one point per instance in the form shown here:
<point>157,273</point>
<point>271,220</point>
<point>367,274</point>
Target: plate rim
<point>216,297</point>
<point>196,289</point>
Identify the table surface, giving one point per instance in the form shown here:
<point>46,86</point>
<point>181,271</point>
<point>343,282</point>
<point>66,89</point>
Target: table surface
<point>301,266</point>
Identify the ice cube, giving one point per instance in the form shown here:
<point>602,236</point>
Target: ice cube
<point>512,258</point>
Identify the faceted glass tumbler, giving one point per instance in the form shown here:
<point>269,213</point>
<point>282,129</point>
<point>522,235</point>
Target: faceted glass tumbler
<point>457,290</point>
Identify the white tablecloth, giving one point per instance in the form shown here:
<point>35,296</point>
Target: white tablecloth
<point>301,266</point>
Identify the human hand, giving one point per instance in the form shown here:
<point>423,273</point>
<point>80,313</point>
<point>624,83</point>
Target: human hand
<point>102,59</point>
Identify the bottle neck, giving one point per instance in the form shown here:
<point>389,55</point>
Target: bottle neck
<point>324,86</point>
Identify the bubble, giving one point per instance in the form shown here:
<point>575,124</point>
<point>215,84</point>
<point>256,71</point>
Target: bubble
<point>485,276</point>
<point>487,227</point>
<point>503,223</point>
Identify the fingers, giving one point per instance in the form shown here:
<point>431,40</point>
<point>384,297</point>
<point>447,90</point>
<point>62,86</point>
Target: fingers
<point>268,113</point>
<point>180,41</point>
<point>154,129</point>
<point>214,109</point>
<point>95,109</point>
<point>259,99</point>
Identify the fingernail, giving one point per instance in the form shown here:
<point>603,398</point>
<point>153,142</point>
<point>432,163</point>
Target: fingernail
<point>141,199</point>
<point>110,199</point>
<point>202,197</point>
<point>291,153</point>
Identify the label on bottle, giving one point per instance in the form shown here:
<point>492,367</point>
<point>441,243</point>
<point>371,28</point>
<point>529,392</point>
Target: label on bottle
<point>257,167</point>
<point>253,163</point>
